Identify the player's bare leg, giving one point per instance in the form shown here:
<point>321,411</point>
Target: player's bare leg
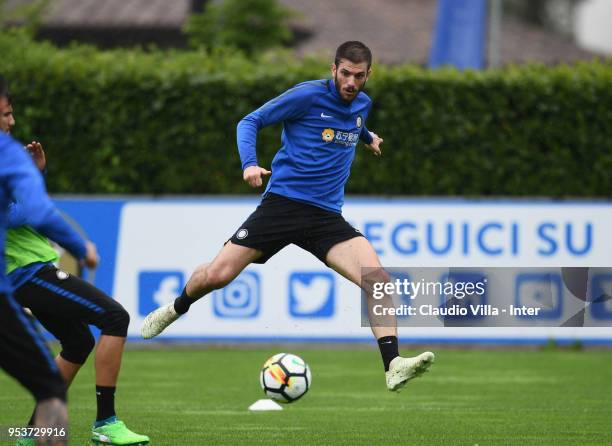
<point>107,364</point>
<point>230,262</point>
<point>108,429</point>
<point>108,360</point>
<point>349,258</point>
<point>67,369</point>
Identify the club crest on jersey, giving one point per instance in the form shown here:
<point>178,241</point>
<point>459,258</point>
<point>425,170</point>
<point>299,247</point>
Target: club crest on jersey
<point>241,234</point>
<point>328,135</point>
<point>359,121</point>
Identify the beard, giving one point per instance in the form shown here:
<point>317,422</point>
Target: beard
<point>339,90</point>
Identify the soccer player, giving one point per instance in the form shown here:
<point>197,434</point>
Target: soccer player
<point>23,353</point>
<point>322,122</point>
<point>65,305</point>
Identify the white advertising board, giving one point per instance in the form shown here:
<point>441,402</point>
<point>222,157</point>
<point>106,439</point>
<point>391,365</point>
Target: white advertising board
<point>295,297</point>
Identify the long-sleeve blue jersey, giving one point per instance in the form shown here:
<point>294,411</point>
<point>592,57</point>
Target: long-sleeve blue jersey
<point>20,182</point>
<point>320,132</point>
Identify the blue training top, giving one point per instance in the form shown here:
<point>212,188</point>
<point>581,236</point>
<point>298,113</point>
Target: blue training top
<point>20,182</point>
<point>320,132</point>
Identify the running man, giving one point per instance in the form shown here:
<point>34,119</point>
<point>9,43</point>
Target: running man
<point>23,353</point>
<point>65,305</point>
<point>323,120</point>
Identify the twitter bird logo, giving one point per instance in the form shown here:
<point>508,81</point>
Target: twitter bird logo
<point>311,294</point>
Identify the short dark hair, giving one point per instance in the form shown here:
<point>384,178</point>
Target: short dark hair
<point>354,51</point>
<point>4,89</point>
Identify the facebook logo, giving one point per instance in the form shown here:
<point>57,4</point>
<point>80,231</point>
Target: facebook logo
<point>463,281</point>
<point>158,288</point>
<point>311,294</point>
<point>401,299</point>
<point>601,296</point>
<point>537,290</point>
<point>240,298</point>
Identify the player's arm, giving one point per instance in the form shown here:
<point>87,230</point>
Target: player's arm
<point>16,215</point>
<point>36,151</point>
<point>290,105</point>
<point>365,135</point>
<point>34,207</point>
<point>57,230</point>
<point>371,140</point>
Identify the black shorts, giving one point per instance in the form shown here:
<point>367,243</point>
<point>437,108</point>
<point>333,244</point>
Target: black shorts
<point>66,305</point>
<point>25,355</point>
<point>279,221</point>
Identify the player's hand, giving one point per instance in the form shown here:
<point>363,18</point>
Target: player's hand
<point>374,146</point>
<point>253,174</point>
<point>35,149</point>
<point>91,255</point>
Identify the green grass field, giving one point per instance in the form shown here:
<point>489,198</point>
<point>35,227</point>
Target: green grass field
<point>200,397</point>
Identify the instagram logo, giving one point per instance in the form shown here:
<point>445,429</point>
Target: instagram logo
<point>540,290</point>
<point>240,298</point>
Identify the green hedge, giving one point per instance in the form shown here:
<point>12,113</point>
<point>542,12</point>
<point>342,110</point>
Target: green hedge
<point>164,123</point>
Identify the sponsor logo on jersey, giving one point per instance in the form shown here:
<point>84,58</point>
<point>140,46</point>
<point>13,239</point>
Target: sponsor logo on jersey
<point>340,137</point>
<point>328,135</point>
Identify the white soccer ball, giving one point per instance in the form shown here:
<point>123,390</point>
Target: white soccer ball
<point>285,377</point>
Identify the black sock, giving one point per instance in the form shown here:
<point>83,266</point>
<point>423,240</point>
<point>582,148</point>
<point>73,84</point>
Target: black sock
<point>388,349</point>
<point>105,397</point>
<point>183,302</point>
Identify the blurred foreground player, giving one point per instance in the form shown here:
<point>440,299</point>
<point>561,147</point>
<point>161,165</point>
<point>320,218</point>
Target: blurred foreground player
<point>23,353</point>
<point>323,120</point>
<point>65,305</point>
